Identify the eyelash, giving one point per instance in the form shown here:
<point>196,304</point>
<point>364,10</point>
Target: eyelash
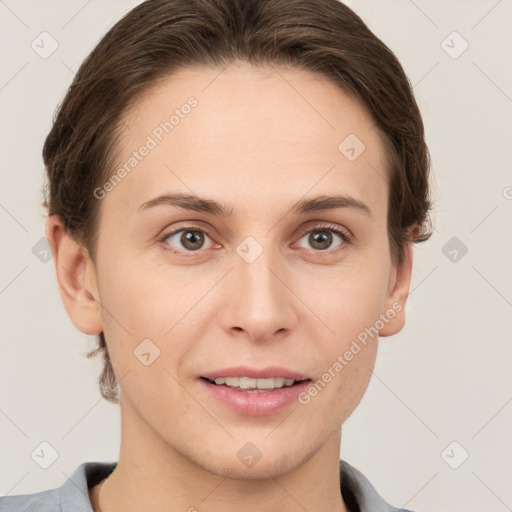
<point>344,234</point>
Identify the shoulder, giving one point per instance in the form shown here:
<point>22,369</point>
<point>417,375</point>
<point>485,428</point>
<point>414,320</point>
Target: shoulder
<point>44,501</point>
<point>359,494</point>
<point>72,495</point>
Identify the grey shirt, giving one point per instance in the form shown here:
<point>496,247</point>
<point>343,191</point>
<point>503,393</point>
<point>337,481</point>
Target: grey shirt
<point>72,496</point>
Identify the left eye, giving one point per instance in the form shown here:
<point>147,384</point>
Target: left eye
<point>321,238</point>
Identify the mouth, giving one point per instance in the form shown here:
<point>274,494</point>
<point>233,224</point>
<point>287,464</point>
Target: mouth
<point>253,396</point>
<point>254,391</point>
<point>255,385</point>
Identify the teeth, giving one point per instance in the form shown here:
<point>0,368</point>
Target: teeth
<point>249,383</point>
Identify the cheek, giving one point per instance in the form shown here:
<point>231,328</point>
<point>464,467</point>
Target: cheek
<point>354,376</point>
<point>341,381</point>
<point>154,315</point>
<point>349,302</point>
<point>346,358</point>
<point>148,327</point>
<point>349,308</point>
<point>151,300</point>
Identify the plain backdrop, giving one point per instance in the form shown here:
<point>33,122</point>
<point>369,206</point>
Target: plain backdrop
<point>433,431</point>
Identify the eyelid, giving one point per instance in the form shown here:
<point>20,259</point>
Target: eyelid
<point>328,226</point>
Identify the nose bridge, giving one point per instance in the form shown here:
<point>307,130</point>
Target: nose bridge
<point>254,268</point>
<point>260,303</point>
<point>257,258</point>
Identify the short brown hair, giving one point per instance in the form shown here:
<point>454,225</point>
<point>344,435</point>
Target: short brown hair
<point>159,37</point>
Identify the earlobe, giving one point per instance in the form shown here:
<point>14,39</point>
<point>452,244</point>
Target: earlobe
<point>398,295</point>
<point>76,278</point>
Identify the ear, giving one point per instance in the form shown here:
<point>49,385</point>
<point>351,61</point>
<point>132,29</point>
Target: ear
<point>398,293</point>
<point>76,277</point>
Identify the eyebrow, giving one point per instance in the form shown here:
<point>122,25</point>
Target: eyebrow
<point>209,206</point>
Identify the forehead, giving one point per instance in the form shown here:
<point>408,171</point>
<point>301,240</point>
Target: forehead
<point>245,132</point>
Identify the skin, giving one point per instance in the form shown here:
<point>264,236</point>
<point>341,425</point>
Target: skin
<point>259,140</point>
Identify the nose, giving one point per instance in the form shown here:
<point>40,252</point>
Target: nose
<point>260,300</point>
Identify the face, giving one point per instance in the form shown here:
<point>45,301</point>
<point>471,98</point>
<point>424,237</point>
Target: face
<point>253,272</point>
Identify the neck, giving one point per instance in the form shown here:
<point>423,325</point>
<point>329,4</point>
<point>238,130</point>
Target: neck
<point>150,471</point>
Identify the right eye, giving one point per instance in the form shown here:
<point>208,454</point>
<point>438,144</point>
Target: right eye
<point>186,239</point>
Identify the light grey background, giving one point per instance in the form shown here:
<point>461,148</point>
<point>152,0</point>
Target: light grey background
<point>446,377</point>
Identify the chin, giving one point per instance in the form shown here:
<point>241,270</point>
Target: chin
<point>262,468</point>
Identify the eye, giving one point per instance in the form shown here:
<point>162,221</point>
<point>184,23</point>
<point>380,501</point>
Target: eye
<point>321,237</point>
<point>189,239</point>
<point>186,239</point>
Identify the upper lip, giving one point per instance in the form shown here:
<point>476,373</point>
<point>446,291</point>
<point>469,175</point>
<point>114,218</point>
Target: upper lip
<point>255,373</point>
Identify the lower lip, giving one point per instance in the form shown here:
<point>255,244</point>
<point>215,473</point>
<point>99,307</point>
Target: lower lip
<point>255,403</point>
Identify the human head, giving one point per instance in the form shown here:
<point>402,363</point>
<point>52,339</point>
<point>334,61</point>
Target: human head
<point>161,37</point>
